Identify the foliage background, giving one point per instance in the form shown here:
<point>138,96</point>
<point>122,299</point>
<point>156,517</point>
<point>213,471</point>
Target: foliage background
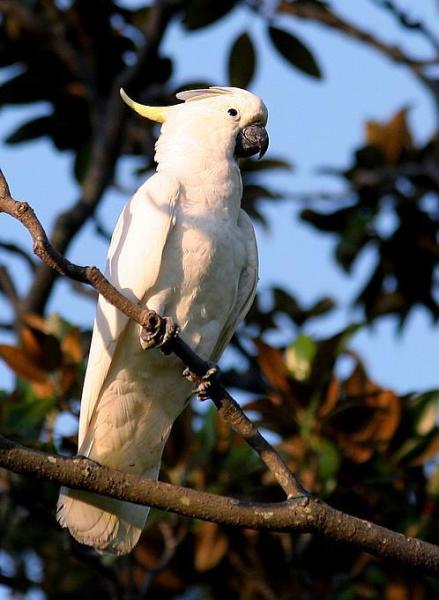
<point>297,365</point>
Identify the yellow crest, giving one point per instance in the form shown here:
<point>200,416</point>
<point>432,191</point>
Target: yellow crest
<point>154,113</point>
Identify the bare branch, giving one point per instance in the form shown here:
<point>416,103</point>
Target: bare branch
<point>313,12</point>
<point>409,23</point>
<point>7,286</point>
<point>305,514</point>
<point>15,249</point>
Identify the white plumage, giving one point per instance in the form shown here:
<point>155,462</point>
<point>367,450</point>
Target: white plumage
<point>183,247</point>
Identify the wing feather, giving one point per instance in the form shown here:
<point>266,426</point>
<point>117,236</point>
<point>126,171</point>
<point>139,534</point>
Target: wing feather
<point>246,287</point>
<point>133,265</point>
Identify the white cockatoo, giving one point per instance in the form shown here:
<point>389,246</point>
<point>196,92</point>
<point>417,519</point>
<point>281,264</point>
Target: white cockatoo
<point>184,247</point>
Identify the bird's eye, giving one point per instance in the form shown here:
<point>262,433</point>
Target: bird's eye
<point>233,112</point>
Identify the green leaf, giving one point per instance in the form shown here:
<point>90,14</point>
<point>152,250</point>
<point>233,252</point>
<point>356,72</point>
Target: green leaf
<point>249,165</point>
<point>329,460</point>
<point>327,352</point>
<point>241,462</point>
<point>23,88</point>
<point>206,437</point>
<point>299,357</point>
<point>31,130</point>
<point>433,484</point>
<point>22,417</point>
<point>425,409</point>
<point>200,13</point>
<point>294,51</point>
<point>81,163</point>
<point>242,61</point>
<point>254,192</point>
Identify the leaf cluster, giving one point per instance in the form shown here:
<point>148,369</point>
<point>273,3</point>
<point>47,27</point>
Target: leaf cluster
<point>390,210</point>
<point>363,448</point>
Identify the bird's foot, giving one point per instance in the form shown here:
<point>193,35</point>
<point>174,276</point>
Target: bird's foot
<point>203,383</point>
<point>159,336</point>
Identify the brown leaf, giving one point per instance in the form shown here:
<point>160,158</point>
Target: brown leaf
<point>67,379</point>
<point>397,590</point>
<point>35,321</point>
<point>43,390</point>
<point>71,345</point>
<point>210,547</point>
<point>383,414</point>
<point>22,365</point>
<point>330,400</point>
<point>30,344</point>
<point>42,348</point>
<point>273,366</point>
<point>392,137</point>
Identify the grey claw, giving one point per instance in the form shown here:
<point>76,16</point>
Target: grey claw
<point>204,383</point>
<point>171,331</point>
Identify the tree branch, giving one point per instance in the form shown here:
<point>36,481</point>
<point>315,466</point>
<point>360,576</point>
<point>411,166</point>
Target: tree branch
<point>15,249</point>
<point>315,13</point>
<point>7,286</point>
<point>228,408</point>
<point>300,512</point>
<point>303,515</point>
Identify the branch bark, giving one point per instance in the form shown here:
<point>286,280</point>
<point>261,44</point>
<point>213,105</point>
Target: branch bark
<point>300,513</point>
<point>311,12</point>
<point>304,515</point>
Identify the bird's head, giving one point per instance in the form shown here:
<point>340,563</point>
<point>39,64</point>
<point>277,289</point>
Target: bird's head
<point>217,122</point>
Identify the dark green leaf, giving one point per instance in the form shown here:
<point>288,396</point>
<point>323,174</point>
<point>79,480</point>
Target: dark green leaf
<point>256,192</point>
<point>294,51</point>
<point>31,130</point>
<point>329,462</point>
<point>242,61</point>
<point>249,165</point>
<point>336,221</point>
<point>81,163</point>
<point>200,13</point>
<point>328,350</point>
<point>23,88</point>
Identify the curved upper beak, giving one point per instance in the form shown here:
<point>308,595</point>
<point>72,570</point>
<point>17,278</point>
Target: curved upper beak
<point>251,140</point>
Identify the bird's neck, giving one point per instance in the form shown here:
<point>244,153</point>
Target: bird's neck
<point>208,179</point>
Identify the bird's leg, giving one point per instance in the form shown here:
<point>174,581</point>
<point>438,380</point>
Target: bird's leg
<point>203,382</point>
<point>158,333</point>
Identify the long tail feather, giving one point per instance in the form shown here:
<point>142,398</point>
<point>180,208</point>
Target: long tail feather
<point>107,524</point>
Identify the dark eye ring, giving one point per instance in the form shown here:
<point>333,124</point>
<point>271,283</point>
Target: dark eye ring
<point>232,112</point>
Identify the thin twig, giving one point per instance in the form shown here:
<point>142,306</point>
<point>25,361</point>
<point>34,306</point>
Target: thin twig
<point>328,18</point>
<point>15,249</point>
<point>7,286</point>
<point>409,23</point>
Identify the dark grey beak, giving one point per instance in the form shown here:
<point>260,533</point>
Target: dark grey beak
<point>253,139</point>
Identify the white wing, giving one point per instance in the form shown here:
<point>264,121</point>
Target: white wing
<point>133,265</point>
<point>246,287</point>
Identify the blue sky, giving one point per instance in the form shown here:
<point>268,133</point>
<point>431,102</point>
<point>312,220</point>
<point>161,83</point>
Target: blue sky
<point>311,123</point>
